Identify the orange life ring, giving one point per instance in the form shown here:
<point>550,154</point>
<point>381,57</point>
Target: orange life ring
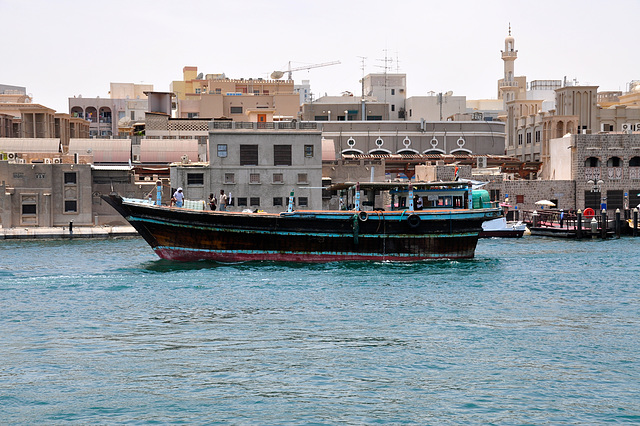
<point>589,213</point>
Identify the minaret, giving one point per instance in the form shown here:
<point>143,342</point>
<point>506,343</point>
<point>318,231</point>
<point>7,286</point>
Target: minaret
<point>509,86</point>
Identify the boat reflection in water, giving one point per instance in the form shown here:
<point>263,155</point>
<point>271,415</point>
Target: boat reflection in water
<point>445,227</point>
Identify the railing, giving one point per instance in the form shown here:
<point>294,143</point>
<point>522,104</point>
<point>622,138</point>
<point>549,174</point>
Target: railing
<point>614,173</point>
<point>634,172</point>
<point>275,125</point>
<point>592,173</point>
<point>509,83</point>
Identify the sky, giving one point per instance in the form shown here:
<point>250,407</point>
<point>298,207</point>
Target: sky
<point>60,49</point>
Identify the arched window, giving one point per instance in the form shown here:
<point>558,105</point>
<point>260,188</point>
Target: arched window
<point>592,162</point>
<point>614,162</point>
<point>634,162</point>
<point>379,152</point>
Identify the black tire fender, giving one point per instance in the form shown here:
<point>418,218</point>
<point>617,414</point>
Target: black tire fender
<point>413,220</point>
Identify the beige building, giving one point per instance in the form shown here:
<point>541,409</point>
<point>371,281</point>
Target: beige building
<point>215,96</point>
<point>390,89</point>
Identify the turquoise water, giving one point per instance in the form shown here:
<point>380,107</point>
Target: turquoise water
<point>531,331</point>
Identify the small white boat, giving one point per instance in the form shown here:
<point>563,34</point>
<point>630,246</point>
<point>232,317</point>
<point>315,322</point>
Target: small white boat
<point>501,228</point>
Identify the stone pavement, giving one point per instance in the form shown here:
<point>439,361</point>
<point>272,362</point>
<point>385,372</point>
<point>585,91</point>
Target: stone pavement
<point>63,232</point>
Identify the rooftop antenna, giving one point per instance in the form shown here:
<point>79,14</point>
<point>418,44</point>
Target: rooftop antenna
<point>362,59</point>
<point>386,66</point>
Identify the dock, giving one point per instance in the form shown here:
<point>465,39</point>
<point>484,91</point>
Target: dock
<point>67,232</point>
<point>574,225</point>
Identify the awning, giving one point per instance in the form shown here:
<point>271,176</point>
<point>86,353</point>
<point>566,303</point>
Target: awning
<point>103,150</point>
<point>28,145</point>
<point>168,150</point>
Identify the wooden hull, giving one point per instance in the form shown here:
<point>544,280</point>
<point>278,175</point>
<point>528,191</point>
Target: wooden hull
<point>306,236</point>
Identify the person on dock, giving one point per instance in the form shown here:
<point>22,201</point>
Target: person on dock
<point>561,217</point>
<point>178,197</point>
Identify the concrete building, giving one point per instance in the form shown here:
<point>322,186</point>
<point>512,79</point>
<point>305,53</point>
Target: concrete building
<point>415,137</point>
<point>215,96</point>
<point>435,107</point>
<point>113,116</point>
<point>258,166</point>
<point>389,89</point>
<point>344,108</point>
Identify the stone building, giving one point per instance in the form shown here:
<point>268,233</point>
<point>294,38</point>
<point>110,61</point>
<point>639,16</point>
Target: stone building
<point>258,166</point>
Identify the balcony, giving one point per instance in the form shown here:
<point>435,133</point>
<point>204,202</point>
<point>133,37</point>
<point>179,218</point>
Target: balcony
<point>592,173</point>
<point>508,84</point>
<point>614,173</point>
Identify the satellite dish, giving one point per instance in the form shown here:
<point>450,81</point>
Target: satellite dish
<point>449,93</point>
<point>277,75</point>
<point>200,76</point>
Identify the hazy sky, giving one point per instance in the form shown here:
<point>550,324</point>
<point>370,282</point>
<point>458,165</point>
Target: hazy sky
<point>58,49</point>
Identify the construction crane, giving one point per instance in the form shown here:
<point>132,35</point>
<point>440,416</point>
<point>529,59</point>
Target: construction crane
<point>276,75</point>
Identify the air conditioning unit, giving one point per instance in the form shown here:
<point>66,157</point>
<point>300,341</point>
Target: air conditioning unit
<point>57,161</point>
<point>47,161</point>
<point>11,155</point>
<point>482,162</point>
<point>20,160</point>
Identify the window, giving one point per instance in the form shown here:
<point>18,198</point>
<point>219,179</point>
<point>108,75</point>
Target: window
<point>528,137</point>
<point>70,192</point>
<point>192,115</point>
<point>393,107</point>
<point>133,115</point>
<point>519,199</point>
<point>236,110</point>
<point>198,90</point>
<point>302,178</point>
<point>242,201</point>
<point>256,92</point>
<point>321,118</point>
<point>303,201</point>
<point>520,139</point>
<point>265,92</point>
<point>277,202</point>
<point>222,150</point>
<point>29,206</point>
<point>538,138</point>
<point>278,178</point>
<point>254,201</point>
<point>229,178</point>
<point>195,178</point>
<point>70,206</point>
<point>308,151</point>
<point>70,178</point>
<point>282,155</point>
<point>254,178</point>
<point>248,155</point>
<point>393,92</point>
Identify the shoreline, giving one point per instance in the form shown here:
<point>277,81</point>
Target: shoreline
<point>64,233</point>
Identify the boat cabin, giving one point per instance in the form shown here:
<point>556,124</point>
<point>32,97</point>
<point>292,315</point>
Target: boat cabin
<point>383,196</point>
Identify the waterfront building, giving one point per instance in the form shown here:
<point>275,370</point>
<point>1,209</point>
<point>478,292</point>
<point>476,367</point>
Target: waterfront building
<point>258,165</point>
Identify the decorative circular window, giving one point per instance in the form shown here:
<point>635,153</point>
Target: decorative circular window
<point>460,142</point>
<point>351,142</point>
<point>433,142</point>
<point>379,142</point>
<point>406,142</point>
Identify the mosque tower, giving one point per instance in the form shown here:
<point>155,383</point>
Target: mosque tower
<point>510,86</point>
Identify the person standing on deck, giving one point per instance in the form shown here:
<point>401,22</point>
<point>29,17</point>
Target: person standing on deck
<point>178,196</point>
<point>223,201</point>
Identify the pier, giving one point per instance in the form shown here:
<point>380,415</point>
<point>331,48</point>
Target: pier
<point>579,225</point>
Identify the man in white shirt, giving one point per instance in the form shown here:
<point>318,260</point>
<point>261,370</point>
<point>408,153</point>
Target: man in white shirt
<point>179,197</point>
